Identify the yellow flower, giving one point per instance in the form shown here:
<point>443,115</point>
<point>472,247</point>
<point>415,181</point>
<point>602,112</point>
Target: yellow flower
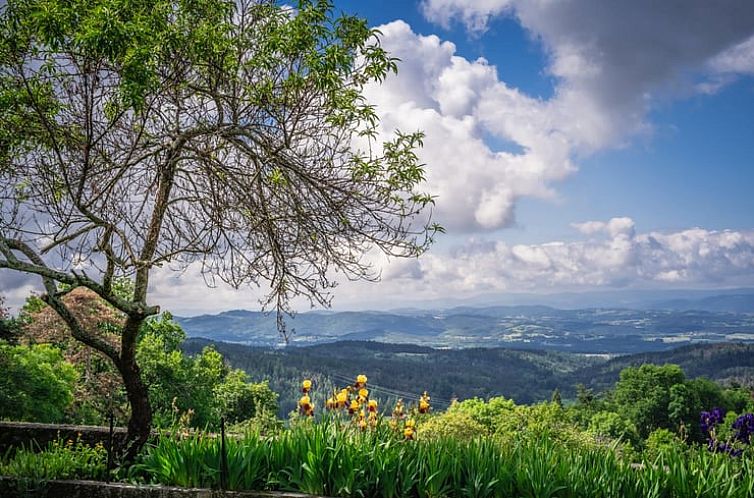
<point>410,423</point>
<point>408,433</point>
<point>398,410</point>
<point>330,403</point>
<point>354,407</point>
<point>361,380</point>
<point>364,392</point>
<point>362,424</point>
<point>372,406</point>
<point>342,398</point>
<point>424,405</point>
<point>306,406</point>
<point>306,386</point>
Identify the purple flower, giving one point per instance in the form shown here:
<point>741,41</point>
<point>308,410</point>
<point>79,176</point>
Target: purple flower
<point>744,427</point>
<point>708,420</point>
<point>720,447</point>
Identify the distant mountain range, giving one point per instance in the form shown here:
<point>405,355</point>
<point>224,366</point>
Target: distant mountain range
<point>733,303</point>
<point>728,300</point>
<point>655,326</point>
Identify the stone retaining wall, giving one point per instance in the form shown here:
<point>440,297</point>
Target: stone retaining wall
<point>15,488</point>
<point>17,434</point>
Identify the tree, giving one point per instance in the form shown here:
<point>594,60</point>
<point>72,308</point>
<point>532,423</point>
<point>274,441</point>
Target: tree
<point>37,383</point>
<point>228,134</point>
<point>644,395</point>
<point>203,384</point>
<point>8,325</point>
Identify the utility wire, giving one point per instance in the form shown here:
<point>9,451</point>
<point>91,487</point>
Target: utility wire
<point>391,392</point>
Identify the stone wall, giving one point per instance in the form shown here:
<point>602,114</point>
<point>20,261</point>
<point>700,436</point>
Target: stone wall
<point>17,434</point>
<point>15,488</point>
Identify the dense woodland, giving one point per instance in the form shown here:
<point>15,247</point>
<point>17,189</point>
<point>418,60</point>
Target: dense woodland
<point>524,376</point>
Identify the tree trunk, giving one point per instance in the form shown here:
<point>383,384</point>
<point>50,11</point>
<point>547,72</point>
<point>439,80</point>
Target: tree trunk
<point>140,423</point>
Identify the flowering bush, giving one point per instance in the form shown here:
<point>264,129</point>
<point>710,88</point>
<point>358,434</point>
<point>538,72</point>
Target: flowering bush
<point>364,411</point>
<point>740,436</point>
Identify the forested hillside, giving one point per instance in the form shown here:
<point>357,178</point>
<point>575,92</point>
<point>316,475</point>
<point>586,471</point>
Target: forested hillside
<point>524,376</point>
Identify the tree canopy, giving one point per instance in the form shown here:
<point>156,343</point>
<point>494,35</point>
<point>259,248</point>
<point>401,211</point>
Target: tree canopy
<point>137,134</point>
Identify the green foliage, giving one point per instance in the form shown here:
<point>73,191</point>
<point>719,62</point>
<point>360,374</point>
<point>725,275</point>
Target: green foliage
<point>36,384</point>
<point>60,460</point>
<point>489,414</point>
<point>237,399</point>
<point>203,384</point>
<point>663,443</point>
<point>9,326</point>
<point>456,424</point>
<point>334,460</point>
<point>688,400</point>
<point>614,425</point>
<point>644,393</point>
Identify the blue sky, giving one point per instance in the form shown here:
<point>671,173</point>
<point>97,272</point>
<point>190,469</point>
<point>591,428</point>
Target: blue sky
<point>573,146</point>
<point>636,166</point>
<point>695,169</point>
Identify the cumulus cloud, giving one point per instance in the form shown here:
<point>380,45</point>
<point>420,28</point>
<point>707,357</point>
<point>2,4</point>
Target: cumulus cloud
<point>613,255</point>
<point>614,227</point>
<point>610,58</point>
<point>609,62</point>
<point>458,103</point>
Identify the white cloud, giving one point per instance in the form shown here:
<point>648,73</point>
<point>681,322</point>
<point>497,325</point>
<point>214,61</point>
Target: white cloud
<point>612,255</point>
<point>458,103</point>
<point>737,59</point>
<point>614,227</point>
<point>693,257</point>
<point>610,58</point>
<point>609,61</point>
<point>475,15</point>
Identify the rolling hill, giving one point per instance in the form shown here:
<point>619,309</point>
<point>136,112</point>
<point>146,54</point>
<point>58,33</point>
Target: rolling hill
<point>405,370</point>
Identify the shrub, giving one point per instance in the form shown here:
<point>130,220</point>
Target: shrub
<point>60,460</point>
<point>615,426</point>
<point>455,424</point>
<point>663,443</point>
<point>36,384</point>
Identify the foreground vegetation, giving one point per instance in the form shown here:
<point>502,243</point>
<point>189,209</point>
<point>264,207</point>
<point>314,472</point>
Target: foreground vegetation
<point>655,432</point>
<point>333,457</point>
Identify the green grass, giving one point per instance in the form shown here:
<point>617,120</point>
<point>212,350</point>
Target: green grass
<point>333,460</point>
<point>59,460</point>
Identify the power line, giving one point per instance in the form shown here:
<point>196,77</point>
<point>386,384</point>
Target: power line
<point>391,391</point>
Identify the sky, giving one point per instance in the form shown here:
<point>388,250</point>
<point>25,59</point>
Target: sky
<point>572,145</point>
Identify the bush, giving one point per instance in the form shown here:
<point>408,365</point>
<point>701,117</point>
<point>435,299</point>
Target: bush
<point>36,384</point>
<point>490,414</point>
<point>615,426</point>
<point>455,424</point>
<point>60,460</point>
<point>663,443</point>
